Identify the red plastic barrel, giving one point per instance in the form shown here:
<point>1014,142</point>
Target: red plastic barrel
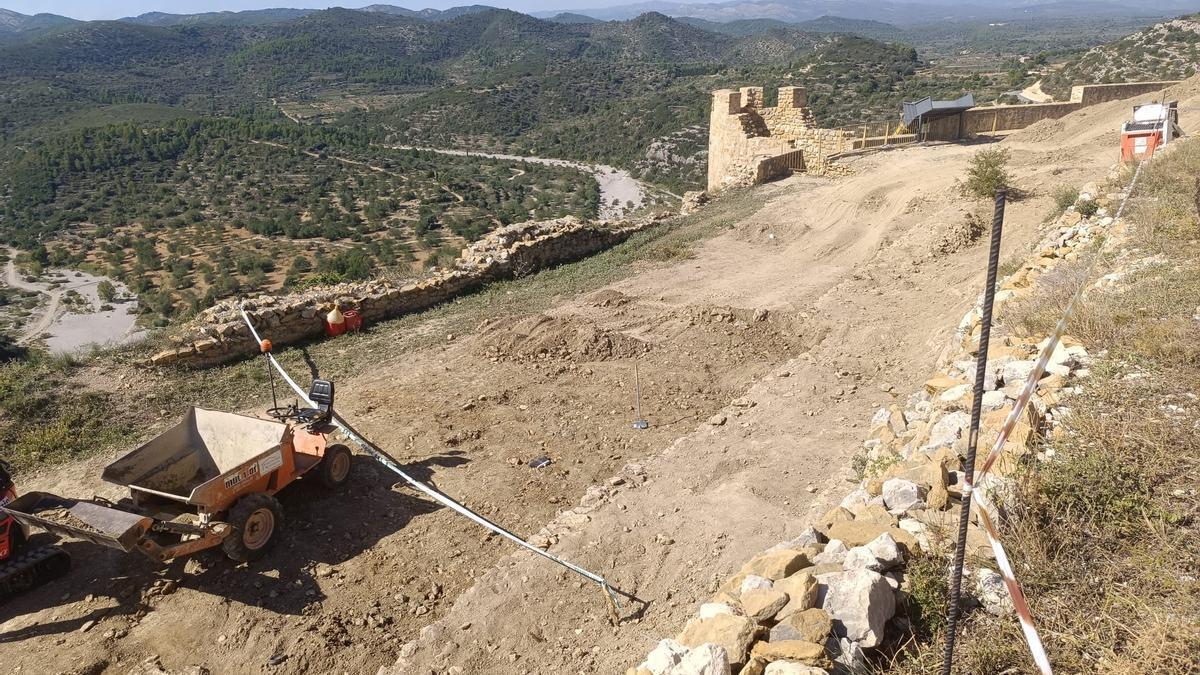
<point>353,319</point>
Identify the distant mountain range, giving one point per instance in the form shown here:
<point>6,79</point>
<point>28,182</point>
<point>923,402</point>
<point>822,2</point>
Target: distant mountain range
<point>740,16</point>
<point>12,23</point>
<point>899,12</point>
<point>260,17</point>
<point>877,30</point>
<point>253,17</point>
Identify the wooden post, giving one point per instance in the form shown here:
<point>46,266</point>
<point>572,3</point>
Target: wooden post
<point>995,122</point>
<point>886,128</point>
<point>864,140</point>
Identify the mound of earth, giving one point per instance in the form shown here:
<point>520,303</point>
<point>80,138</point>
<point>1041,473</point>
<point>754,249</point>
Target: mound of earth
<point>542,337</point>
<point>610,298</point>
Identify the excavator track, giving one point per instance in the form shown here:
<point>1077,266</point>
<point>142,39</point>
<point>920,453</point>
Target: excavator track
<point>32,568</point>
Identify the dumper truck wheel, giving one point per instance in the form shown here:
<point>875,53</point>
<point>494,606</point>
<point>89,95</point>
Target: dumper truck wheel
<point>335,466</point>
<point>256,519</point>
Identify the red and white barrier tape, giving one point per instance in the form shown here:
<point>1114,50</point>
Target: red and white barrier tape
<point>1060,329</point>
<point>1036,648</point>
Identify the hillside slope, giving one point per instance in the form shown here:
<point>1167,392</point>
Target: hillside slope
<point>16,26</point>
<point>1166,51</point>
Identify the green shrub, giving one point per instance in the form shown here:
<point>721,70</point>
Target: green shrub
<point>1065,197</point>
<point>988,172</point>
<point>1087,208</point>
<point>927,597</point>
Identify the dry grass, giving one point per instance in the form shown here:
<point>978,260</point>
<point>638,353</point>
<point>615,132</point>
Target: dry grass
<point>1106,537</point>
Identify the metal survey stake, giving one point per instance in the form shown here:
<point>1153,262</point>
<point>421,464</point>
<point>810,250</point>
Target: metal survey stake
<point>985,333</point>
<point>639,423</point>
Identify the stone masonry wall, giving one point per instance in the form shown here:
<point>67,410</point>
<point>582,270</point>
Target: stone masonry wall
<point>825,600</point>
<point>1092,94</point>
<point>986,119</point>
<point>218,334</point>
<point>748,142</point>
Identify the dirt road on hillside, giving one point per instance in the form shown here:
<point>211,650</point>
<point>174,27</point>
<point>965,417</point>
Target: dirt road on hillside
<point>43,317</point>
<point>618,188</point>
<point>762,356</point>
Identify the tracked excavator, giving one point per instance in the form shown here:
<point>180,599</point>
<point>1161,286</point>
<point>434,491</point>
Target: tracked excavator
<point>23,566</point>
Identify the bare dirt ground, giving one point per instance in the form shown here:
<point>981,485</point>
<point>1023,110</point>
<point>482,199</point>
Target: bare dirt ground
<point>782,330</point>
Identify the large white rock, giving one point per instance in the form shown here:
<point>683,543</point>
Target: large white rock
<point>947,430</point>
<point>1060,369</point>
<point>918,530</point>
<point>990,378</point>
<point>994,400</point>
<point>901,495</point>
<point>854,498</point>
<point>880,417</point>
<point>809,536</point>
<point>861,558</point>
<point>1018,371</point>
<point>834,553</point>
<point>954,394</point>
<point>879,555</point>
<point>1061,356</point>
<point>710,609</point>
<point>992,593</point>
<point>753,582</point>
<point>886,550</point>
<point>666,654</point>
<point>860,602</point>
<point>707,659</point>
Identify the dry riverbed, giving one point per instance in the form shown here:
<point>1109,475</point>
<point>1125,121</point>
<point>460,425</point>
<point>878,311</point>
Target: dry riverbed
<point>72,315</point>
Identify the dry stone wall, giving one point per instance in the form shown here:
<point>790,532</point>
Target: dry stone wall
<point>749,143</point>
<point>824,601</point>
<point>218,335</point>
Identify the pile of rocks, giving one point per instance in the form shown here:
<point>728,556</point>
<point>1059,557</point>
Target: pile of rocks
<point>218,334</point>
<point>822,601</point>
<point>692,202</point>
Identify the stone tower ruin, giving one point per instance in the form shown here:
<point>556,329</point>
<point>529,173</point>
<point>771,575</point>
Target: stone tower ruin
<point>749,143</point>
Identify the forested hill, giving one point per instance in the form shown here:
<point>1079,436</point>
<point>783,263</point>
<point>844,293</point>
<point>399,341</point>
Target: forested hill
<point>472,77</point>
<point>630,93</point>
<point>360,46</point>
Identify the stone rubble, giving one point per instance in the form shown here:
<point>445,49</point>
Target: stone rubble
<point>843,575</point>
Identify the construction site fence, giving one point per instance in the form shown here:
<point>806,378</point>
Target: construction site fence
<point>866,136</point>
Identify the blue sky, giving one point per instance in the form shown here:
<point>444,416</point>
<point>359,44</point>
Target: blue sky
<point>115,9</point>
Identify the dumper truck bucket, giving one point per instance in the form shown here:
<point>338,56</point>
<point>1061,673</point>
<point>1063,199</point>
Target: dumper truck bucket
<point>207,448</point>
<point>81,519</point>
